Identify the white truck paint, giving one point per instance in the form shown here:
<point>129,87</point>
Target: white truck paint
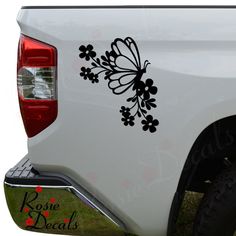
<point>134,173</point>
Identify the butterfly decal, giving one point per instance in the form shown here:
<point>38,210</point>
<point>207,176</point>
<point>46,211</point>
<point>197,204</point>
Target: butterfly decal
<point>123,69</point>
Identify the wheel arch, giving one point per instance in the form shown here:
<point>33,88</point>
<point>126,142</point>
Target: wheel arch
<point>211,147</point>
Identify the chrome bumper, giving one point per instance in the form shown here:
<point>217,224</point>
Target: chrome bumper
<point>54,204</point>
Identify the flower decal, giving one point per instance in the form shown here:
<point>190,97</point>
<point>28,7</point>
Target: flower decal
<point>128,119</point>
<point>87,52</point>
<point>125,110</point>
<point>122,68</point>
<point>94,78</point>
<point>150,124</point>
<point>85,73</point>
<point>146,88</point>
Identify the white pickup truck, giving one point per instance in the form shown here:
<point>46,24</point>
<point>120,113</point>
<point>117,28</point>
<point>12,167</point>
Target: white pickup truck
<point>126,109</point>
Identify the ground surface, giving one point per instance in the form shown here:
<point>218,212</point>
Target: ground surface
<point>187,214</point>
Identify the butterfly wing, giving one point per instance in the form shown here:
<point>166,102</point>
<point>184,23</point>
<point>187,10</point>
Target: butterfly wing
<point>134,50</point>
<point>120,82</point>
<point>126,65</point>
<point>128,49</point>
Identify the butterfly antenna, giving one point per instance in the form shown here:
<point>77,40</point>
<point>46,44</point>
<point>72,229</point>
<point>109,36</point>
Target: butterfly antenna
<point>146,63</point>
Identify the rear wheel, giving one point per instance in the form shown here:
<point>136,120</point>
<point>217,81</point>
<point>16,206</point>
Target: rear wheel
<point>217,212</point>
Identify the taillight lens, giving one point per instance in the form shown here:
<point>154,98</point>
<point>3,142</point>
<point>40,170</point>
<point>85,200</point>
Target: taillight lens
<point>37,84</point>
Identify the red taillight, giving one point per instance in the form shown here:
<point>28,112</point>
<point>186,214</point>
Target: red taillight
<point>37,85</point>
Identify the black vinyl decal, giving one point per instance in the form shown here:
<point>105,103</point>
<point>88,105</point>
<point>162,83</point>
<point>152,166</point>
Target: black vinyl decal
<point>123,70</point>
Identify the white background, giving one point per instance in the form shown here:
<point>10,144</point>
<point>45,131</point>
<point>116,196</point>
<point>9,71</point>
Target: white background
<point>13,142</point>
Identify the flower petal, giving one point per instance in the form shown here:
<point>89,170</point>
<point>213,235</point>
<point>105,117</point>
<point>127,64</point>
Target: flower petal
<point>82,55</point>
<point>93,54</point>
<point>146,95</point>
<point>89,47</point>
<point>152,129</point>
<point>155,122</point>
<point>131,123</point>
<point>145,127</point>
<point>144,122</point>
<point>149,82</point>
<point>153,90</point>
<point>149,118</point>
<point>82,48</point>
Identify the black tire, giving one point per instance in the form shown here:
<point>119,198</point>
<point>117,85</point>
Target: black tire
<point>216,215</point>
